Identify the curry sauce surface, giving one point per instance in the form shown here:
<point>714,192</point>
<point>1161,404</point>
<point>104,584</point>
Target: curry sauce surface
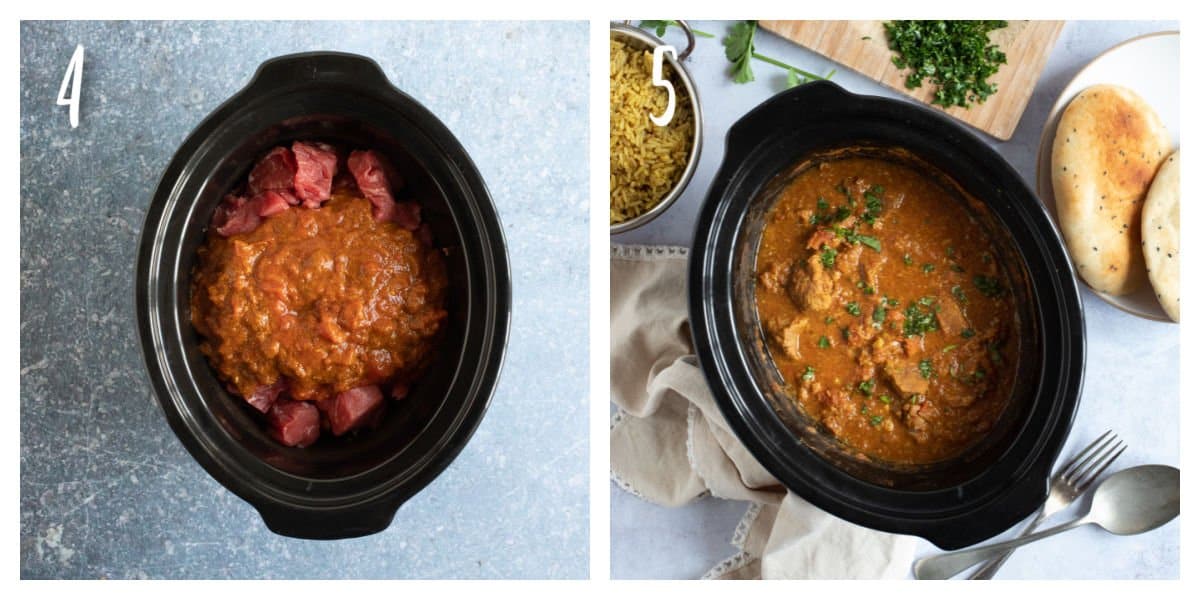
<point>885,310</point>
<point>328,300</point>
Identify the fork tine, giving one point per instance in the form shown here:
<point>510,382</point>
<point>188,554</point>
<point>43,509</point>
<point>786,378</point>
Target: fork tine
<point>1073,475</point>
<point>1091,476</point>
<point>1083,453</point>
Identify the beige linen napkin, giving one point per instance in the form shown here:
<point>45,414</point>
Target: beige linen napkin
<point>670,444</point>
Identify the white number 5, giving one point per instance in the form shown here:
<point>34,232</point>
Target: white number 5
<point>74,75</point>
<point>656,77</point>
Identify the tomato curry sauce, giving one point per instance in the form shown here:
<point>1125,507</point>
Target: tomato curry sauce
<point>885,310</point>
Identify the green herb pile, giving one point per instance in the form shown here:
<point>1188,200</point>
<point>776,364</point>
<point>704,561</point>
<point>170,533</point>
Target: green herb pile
<point>956,56</point>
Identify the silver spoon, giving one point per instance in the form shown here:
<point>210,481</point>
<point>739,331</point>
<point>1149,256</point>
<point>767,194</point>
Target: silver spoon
<point>1132,501</point>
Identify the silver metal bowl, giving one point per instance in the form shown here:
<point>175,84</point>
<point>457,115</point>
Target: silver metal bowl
<point>639,38</point>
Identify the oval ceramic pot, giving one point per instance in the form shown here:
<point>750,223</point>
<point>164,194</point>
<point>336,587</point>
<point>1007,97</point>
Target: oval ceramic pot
<point>953,503</point>
<point>339,487</point>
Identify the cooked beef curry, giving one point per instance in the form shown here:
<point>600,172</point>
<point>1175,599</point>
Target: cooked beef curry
<point>886,310</point>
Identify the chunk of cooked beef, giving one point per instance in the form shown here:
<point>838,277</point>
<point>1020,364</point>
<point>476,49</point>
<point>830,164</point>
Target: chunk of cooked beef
<point>906,377</point>
<point>296,424</point>
<point>822,237</point>
<point>917,416</point>
<point>950,317</point>
<point>848,259</point>
<point>787,335</point>
<point>275,171</point>
<point>871,267</point>
<point>316,164</point>
<point>812,287</point>
<point>837,410</point>
<point>775,276</point>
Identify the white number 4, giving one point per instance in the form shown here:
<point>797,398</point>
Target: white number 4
<point>74,75</point>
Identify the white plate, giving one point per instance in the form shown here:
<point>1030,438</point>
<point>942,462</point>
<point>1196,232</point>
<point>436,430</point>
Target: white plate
<point>1148,65</point>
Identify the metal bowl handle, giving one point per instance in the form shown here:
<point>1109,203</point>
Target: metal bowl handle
<point>691,37</point>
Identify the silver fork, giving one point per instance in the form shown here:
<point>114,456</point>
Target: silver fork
<point>1072,480</point>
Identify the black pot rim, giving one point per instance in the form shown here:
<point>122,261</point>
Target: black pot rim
<point>287,509</point>
<point>951,517</point>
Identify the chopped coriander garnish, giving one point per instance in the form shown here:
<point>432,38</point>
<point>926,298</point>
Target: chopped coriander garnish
<point>958,293</point>
<point>863,410</point>
<point>857,238</point>
<point>809,373</point>
<point>866,288</point>
<point>994,354</point>
<point>876,420</point>
<point>822,204</point>
<point>988,286</point>
<point>956,268</point>
<point>853,309</point>
<point>927,268</point>
<point>917,321</point>
<point>828,320</point>
<point>979,374</point>
<point>949,348</point>
<point>828,255</point>
<point>846,333</point>
<point>823,342</point>
<point>884,398</point>
<point>968,333</point>
<point>925,300</point>
<point>870,242</point>
<point>950,251</point>
<point>926,368</point>
<point>907,259</point>
<point>879,314</point>
<point>866,387</point>
<point>874,205</point>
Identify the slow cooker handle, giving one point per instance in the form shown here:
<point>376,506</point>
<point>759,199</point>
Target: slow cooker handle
<point>780,114</point>
<point>329,524</point>
<point>305,67</point>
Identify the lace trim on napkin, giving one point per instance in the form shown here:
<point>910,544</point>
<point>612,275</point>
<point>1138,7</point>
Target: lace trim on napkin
<point>742,558</point>
<point>641,252</point>
<point>616,418</point>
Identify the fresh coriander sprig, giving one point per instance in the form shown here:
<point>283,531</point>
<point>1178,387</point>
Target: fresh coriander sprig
<point>739,49</point>
<point>660,28</point>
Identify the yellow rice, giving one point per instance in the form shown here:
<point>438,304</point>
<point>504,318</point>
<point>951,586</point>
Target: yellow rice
<point>645,160</point>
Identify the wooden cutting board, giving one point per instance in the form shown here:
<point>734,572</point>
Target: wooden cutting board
<point>862,46</point>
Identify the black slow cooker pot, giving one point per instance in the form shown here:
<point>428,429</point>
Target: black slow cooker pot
<point>340,487</point>
<point>954,503</point>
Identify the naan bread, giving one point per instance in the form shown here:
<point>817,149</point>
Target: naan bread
<point>1107,148</point>
<point>1160,235</point>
